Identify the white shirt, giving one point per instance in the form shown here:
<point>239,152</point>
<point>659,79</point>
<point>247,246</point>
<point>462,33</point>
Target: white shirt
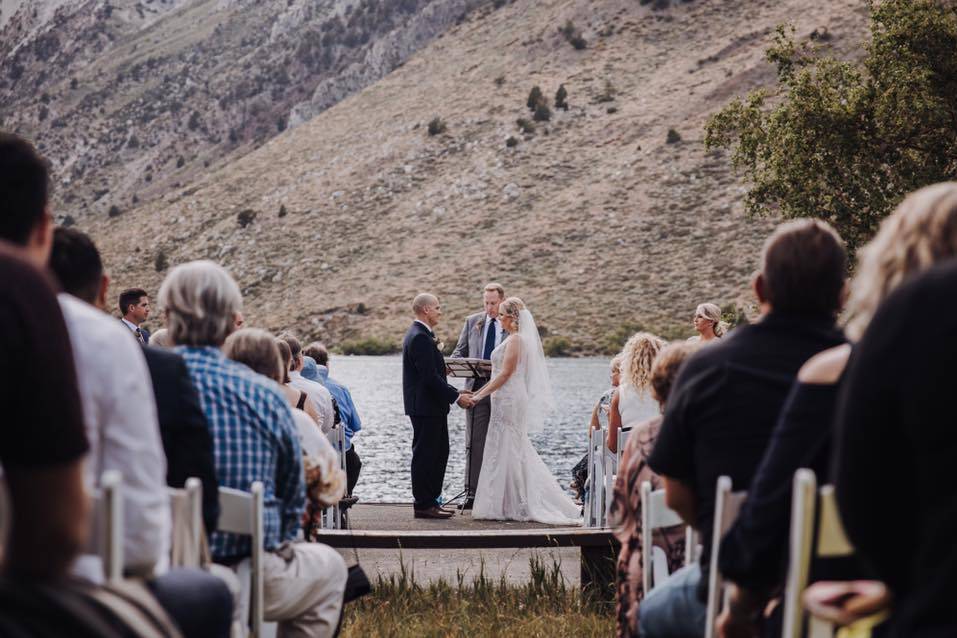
<point>129,324</point>
<point>319,396</point>
<point>427,326</point>
<point>498,332</point>
<point>119,412</point>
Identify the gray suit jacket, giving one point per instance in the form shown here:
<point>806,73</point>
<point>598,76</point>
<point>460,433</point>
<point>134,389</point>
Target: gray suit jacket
<point>471,342</point>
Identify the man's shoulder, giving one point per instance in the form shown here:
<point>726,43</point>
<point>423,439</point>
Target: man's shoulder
<point>474,318</point>
<point>89,324</point>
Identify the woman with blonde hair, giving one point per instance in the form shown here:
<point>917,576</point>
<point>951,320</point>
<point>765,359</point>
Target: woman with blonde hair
<point>920,233</point>
<point>707,321</point>
<point>632,402</point>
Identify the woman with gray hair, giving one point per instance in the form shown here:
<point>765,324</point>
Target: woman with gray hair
<point>201,301</point>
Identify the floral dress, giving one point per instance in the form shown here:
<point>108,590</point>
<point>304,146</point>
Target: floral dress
<point>625,521</point>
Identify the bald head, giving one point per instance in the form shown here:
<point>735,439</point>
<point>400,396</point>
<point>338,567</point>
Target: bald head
<point>426,308</point>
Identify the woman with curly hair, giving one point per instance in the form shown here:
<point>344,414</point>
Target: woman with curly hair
<point>632,402</point>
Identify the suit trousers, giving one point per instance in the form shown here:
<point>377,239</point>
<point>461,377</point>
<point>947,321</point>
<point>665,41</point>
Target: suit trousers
<point>476,429</point>
<point>430,455</point>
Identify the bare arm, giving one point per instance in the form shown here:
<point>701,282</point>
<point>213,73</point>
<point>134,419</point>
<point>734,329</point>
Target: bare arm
<point>48,532</point>
<point>593,424</point>
<point>614,422</point>
<point>512,351</point>
<point>680,498</point>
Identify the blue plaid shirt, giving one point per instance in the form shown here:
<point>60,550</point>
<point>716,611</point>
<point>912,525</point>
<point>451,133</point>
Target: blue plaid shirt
<point>255,439</point>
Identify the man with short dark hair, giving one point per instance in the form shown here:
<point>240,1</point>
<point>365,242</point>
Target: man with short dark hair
<point>727,398</point>
<point>135,307</point>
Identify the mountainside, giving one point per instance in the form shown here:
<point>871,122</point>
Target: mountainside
<point>611,214</point>
<point>131,99</point>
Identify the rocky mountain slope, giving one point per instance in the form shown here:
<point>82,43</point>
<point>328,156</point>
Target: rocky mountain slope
<point>132,98</point>
<point>608,216</point>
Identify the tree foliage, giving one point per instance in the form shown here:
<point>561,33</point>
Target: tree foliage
<point>847,140</point>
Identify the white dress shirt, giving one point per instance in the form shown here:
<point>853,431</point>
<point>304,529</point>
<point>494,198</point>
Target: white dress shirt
<point>119,412</point>
<point>320,398</point>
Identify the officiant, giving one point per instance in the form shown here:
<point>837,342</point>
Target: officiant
<point>481,333</point>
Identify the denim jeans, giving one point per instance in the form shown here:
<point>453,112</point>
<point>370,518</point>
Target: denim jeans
<point>672,609</point>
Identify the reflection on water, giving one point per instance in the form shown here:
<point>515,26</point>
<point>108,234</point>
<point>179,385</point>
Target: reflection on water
<point>385,443</point>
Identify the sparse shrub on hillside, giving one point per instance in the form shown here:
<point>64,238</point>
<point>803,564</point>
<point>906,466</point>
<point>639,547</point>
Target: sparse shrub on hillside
<point>246,217</point>
<point>511,142</point>
<point>67,221</point>
<point>542,112</point>
<point>849,139</point>
<point>561,98</point>
<point>148,177</point>
<point>161,262</point>
<point>135,199</point>
<point>535,97</point>
<point>281,124</point>
<point>369,346</point>
<point>498,4</point>
<point>180,162</point>
<point>114,211</point>
<point>133,142</point>
<point>573,36</point>
<point>557,347</point>
<point>500,80</point>
<point>282,210</point>
<point>611,110</point>
<point>437,126</point>
<point>527,126</point>
<point>673,136</point>
<point>233,136</point>
<point>73,84</point>
<point>43,112</point>
<point>607,94</point>
<point>194,122</point>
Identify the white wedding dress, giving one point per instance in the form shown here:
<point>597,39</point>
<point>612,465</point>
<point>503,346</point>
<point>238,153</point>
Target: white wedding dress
<point>514,483</point>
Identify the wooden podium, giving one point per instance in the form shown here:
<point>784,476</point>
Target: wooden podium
<point>468,368</point>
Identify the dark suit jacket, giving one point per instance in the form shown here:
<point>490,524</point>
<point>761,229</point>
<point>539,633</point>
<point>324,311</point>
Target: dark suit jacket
<point>146,334</point>
<point>424,387</point>
<point>186,438</point>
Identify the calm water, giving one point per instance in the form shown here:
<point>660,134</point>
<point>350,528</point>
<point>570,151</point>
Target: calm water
<point>385,443</point>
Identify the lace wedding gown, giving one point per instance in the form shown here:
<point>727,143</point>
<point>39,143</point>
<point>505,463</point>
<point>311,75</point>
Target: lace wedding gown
<point>514,483</point>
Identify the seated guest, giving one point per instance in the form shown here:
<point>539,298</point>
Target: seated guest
<point>317,394</point>
<point>76,263</point>
<point>598,421</point>
<point>255,439</point>
<point>903,522</point>
<point>297,398</point>
<point>727,398</point>
<point>625,516</point>
<point>632,402</point>
<point>160,339</point>
<point>119,414</point>
<point>708,324</point>
<point>135,308</point>
<point>347,408</point>
<point>325,480</point>
<point>916,236</point>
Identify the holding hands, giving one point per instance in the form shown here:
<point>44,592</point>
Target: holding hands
<point>465,399</point>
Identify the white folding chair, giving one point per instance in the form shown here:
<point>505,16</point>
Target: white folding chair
<point>727,504</point>
<point>656,514</point>
<point>332,515</point>
<point>832,542</point>
<point>108,523</point>
<point>594,492</point>
<point>242,513</point>
<point>186,503</point>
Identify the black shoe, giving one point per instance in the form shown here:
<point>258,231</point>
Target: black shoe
<point>433,512</point>
<point>347,501</point>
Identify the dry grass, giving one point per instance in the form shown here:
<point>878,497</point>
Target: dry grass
<point>545,606</point>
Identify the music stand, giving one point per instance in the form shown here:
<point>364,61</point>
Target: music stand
<point>463,368</point>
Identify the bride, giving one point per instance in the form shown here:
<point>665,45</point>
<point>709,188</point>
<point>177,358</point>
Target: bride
<point>514,483</point>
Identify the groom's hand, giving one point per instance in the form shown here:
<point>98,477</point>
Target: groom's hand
<point>465,400</point>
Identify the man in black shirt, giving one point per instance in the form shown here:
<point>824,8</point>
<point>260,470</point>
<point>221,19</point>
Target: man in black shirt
<point>727,398</point>
<point>895,450</point>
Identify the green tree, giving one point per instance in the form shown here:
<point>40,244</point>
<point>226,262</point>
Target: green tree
<point>847,140</point>
<point>561,98</point>
<point>535,97</point>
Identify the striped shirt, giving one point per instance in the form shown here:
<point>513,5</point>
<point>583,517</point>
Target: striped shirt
<point>255,439</point>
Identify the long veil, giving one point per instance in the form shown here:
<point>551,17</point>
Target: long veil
<point>540,399</point>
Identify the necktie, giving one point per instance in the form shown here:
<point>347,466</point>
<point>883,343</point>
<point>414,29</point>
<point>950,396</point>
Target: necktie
<point>139,335</point>
<point>489,340</point>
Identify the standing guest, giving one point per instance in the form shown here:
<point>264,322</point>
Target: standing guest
<point>708,324</point>
<point>625,515</point>
<point>160,339</point>
<point>598,421</point>
<point>76,263</point>
<point>905,529</point>
<point>727,398</point>
<point>632,403</point>
<point>119,413</point>
<point>921,232</point>
<point>480,335</point>
<point>255,439</point>
<point>135,307</point>
<point>317,394</point>
<point>347,409</point>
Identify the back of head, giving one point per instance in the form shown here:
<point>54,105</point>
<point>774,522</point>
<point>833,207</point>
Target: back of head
<point>921,232</point>
<point>24,188</point>
<point>129,297</point>
<point>637,357</point>
<point>201,300</point>
<point>76,263</point>
<point>295,347</point>
<point>422,301</point>
<point>257,349</point>
<point>317,351</point>
<point>511,307</point>
<point>285,357</point>
<point>803,266</point>
<point>665,368</point>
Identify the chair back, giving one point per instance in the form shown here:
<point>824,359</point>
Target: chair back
<point>656,514</point>
<point>727,505</point>
<point>595,492</point>
<point>186,504</point>
<point>807,502</point>
<point>242,513</point>
<point>108,524</point>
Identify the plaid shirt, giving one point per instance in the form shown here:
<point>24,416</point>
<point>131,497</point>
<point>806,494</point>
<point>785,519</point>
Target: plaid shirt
<point>255,439</point>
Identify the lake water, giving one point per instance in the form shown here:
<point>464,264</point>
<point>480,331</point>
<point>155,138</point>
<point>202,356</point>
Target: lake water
<point>385,443</point>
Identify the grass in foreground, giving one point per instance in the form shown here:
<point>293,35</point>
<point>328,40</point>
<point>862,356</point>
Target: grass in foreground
<point>544,606</point>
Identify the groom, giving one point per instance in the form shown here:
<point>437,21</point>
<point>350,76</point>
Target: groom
<point>427,397</point>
